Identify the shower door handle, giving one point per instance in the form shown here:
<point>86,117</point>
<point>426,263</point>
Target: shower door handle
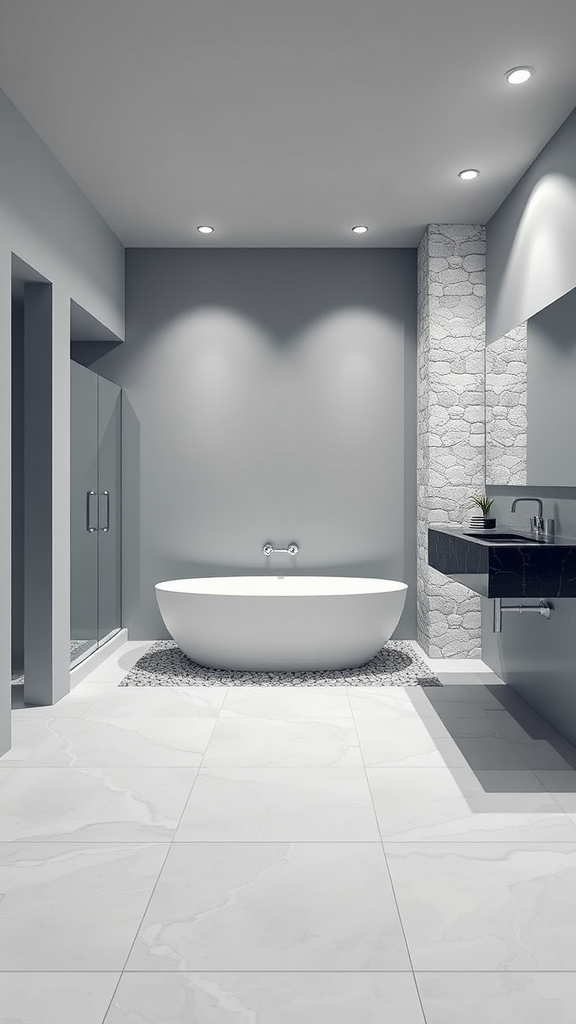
<point>106,494</point>
<point>89,496</point>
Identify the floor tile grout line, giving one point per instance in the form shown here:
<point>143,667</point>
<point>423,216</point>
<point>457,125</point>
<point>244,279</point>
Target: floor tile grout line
<point>112,997</point>
<point>339,970</point>
<point>390,876</point>
<point>136,933</point>
<point>424,1018</point>
<point>294,842</point>
<point>530,843</point>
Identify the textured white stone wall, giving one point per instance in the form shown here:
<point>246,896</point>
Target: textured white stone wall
<point>506,399</point>
<point>451,421</point>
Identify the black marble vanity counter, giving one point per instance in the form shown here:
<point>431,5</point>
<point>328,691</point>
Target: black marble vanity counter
<point>516,568</point>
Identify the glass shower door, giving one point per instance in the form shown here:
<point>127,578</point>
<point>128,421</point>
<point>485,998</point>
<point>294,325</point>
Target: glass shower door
<point>83,512</point>
<point>109,509</point>
<point>95,525</point>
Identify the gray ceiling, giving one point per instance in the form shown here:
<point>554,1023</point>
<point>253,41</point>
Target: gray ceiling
<point>285,122</point>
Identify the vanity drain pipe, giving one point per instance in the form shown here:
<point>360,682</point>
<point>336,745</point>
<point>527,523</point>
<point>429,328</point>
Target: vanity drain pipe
<point>543,608</point>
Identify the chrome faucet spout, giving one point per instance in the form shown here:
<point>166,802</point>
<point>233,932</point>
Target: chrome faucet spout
<point>540,529</point>
<point>537,500</point>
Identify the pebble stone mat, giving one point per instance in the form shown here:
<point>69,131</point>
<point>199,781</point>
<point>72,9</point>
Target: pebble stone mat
<point>164,664</point>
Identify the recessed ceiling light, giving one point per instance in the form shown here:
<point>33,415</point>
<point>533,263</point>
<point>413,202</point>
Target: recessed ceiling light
<point>517,76</point>
<point>468,174</point>
<point>205,229</point>
<point>360,229</point>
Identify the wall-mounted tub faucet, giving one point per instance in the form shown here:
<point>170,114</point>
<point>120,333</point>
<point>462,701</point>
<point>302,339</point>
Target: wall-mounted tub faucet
<point>269,549</point>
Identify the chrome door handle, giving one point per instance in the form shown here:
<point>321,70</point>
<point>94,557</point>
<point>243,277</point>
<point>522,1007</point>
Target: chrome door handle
<point>89,527</point>
<point>106,494</point>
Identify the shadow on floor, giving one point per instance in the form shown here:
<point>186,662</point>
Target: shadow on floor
<point>497,733</point>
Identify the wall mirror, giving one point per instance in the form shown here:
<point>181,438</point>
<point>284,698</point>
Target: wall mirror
<point>531,400</point>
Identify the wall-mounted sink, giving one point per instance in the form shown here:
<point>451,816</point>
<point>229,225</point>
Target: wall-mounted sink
<point>504,564</point>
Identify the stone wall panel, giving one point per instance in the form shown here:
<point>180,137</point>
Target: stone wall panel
<point>451,421</point>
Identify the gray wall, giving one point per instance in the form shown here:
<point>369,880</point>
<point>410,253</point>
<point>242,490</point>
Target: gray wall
<point>551,407</point>
<point>531,239</point>
<point>531,246</point>
<point>18,482</point>
<point>269,395</point>
<point>47,221</point>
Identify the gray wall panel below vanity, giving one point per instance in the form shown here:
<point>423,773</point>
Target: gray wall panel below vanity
<point>537,656</point>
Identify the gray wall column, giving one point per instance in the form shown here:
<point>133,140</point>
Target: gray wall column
<point>46,602</point>
<point>451,337</point>
<point>5,504</point>
<point>61,496</point>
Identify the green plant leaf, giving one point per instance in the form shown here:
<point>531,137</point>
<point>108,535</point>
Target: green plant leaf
<point>484,503</point>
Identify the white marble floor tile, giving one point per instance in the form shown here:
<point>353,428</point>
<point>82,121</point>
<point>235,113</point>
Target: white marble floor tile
<point>305,702</point>
<point>394,703</point>
<point>6,770</point>
<point>487,906</point>
<point>157,702</point>
<point>562,786</point>
<point>489,752</point>
<point>110,804</point>
<point>462,679</point>
<point>65,708</point>
<point>535,741</point>
<point>406,743</point>
<point>86,693</point>
<point>272,907</point>
<point>497,696</point>
<point>30,733</point>
<point>454,710</point>
<point>521,725</point>
<point>499,997</point>
<point>478,725</point>
<point>543,755</point>
<point>451,805</point>
<point>459,666</point>
<point>280,805</point>
<point>252,742</point>
<point>175,742</point>
<point>266,998</point>
<point>73,907</point>
<point>28,997</point>
<point>117,666</point>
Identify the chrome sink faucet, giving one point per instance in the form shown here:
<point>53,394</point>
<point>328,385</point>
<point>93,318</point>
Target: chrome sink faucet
<point>542,529</point>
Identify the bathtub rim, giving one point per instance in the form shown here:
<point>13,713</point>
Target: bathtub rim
<point>366,586</point>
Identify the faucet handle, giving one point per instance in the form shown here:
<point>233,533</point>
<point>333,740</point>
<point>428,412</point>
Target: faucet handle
<point>537,526</point>
<point>549,532</point>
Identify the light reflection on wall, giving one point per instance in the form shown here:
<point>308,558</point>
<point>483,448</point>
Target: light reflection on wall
<point>294,423</point>
<point>541,264</point>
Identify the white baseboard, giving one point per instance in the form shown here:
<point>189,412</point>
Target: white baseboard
<point>79,672</point>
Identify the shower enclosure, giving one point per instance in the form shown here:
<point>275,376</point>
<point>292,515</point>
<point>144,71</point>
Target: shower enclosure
<point>95,512</point>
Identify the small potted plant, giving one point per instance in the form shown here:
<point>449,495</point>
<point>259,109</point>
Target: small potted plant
<point>482,520</point>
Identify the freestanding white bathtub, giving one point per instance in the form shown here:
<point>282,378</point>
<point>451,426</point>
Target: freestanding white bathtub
<point>281,623</point>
